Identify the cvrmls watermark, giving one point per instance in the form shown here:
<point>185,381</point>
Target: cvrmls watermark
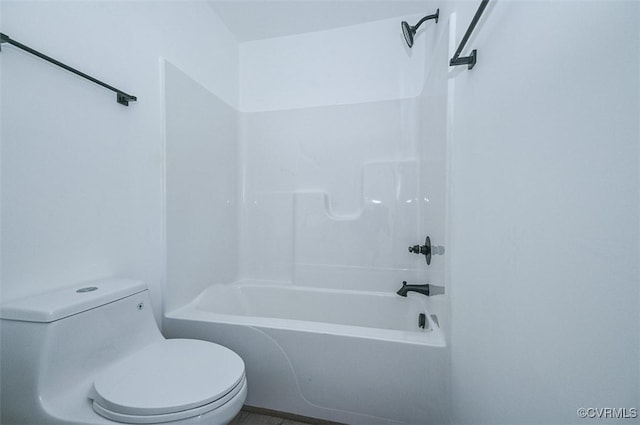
<point>607,412</point>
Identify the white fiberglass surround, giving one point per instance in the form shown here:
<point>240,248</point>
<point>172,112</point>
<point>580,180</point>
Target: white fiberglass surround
<point>349,356</point>
<point>288,222</point>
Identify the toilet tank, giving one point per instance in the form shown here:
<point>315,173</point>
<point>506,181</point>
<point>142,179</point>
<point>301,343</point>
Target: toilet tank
<point>55,343</point>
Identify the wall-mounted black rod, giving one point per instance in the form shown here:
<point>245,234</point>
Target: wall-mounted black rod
<point>472,58</point>
<point>121,97</point>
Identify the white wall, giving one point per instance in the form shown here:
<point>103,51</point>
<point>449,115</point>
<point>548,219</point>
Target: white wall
<point>82,175</point>
<point>544,251</point>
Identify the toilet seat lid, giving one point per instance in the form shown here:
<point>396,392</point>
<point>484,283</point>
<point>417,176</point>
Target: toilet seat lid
<point>169,376</point>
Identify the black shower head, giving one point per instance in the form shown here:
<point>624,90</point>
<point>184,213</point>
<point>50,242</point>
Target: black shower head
<point>409,31</point>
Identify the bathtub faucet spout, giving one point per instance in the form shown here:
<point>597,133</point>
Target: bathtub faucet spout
<point>427,289</point>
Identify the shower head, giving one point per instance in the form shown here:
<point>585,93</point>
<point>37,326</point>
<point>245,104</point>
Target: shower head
<point>409,31</point>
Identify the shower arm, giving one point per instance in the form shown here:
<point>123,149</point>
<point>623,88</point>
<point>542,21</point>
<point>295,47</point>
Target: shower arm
<point>426,18</point>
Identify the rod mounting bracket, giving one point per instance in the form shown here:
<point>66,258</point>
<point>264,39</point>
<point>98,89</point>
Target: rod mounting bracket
<point>3,39</point>
<point>470,60</point>
<point>124,99</point>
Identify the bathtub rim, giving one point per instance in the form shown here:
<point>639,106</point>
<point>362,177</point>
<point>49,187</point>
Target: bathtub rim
<point>432,336</point>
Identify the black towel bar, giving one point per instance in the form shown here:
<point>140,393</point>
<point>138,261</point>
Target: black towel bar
<point>473,57</point>
<point>121,97</point>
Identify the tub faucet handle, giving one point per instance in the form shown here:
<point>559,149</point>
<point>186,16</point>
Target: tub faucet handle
<point>427,249</point>
<point>416,249</point>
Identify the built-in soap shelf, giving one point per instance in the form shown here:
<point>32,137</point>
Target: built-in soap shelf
<point>375,234</point>
<point>384,183</point>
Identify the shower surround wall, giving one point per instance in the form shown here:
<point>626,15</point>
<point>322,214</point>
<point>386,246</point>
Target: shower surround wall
<point>326,193</point>
<point>343,168</point>
<point>331,158</point>
<point>200,188</point>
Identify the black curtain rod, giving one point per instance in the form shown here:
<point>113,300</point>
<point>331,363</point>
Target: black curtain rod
<point>121,97</point>
<point>472,58</point>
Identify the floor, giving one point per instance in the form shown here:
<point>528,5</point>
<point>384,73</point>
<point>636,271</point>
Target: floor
<point>252,416</point>
<point>249,418</point>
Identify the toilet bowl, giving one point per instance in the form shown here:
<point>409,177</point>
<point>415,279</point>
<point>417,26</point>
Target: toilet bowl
<point>93,354</point>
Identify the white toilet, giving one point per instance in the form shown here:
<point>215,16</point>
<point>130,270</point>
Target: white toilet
<point>93,354</point>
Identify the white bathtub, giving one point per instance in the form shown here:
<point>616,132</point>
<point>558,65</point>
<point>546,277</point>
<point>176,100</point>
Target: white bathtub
<point>346,356</point>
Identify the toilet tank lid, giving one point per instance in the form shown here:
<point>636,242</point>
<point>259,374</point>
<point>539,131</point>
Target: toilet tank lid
<point>56,305</point>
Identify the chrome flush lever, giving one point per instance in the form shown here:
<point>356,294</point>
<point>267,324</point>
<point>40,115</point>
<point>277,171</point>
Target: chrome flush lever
<point>427,249</point>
